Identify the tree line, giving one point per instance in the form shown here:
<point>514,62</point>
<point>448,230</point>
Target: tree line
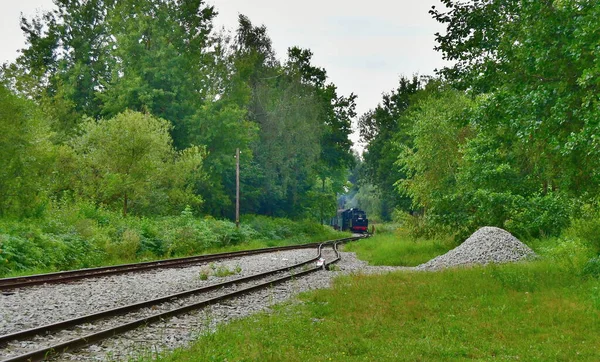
<point>139,106</point>
<point>508,135</point>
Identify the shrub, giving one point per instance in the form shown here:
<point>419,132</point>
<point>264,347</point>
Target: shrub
<point>592,267</point>
<point>514,277</point>
<point>539,216</point>
<point>570,254</point>
<point>79,234</point>
<point>587,227</point>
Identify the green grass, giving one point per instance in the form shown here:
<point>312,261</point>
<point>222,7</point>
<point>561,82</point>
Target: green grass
<point>398,249</point>
<point>527,312</point>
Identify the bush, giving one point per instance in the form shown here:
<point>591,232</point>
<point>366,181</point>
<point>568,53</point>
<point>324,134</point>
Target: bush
<point>539,216</point>
<point>592,267</point>
<point>81,235</point>
<point>587,227</point>
<point>569,254</point>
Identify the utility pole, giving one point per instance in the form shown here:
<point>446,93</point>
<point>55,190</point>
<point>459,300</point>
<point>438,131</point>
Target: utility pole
<point>237,188</point>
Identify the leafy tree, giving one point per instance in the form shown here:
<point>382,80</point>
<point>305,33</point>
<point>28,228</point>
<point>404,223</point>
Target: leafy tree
<point>536,60</point>
<point>157,60</point>
<point>379,128</point>
<point>432,162</point>
<point>100,58</point>
<point>64,63</point>
<point>529,148</point>
<point>221,126</point>
<point>26,155</point>
<point>303,126</point>
<point>129,160</point>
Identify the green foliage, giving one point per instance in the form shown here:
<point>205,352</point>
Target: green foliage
<point>81,235</point>
<point>157,58</point>
<point>369,199</point>
<point>88,60</point>
<point>592,267</point>
<point>586,227</point>
<point>129,161</point>
<point>515,277</point>
<point>26,156</point>
<point>529,155</point>
<point>203,275</point>
<point>506,136</point>
<point>281,228</point>
<point>26,246</point>
<point>431,163</point>
<point>222,271</point>
<point>567,254</point>
<point>219,271</point>
<point>383,128</point>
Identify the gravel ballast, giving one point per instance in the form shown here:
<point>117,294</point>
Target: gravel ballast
<point>40,305</point>
<point>487,245</point>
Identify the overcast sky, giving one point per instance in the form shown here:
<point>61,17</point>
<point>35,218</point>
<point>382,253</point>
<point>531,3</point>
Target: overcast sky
<point>364,45</point>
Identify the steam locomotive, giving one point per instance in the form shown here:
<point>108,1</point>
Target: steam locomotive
<point>354,220</point>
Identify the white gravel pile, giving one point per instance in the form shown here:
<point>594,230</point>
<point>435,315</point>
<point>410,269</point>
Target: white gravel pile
<point>487,245</point>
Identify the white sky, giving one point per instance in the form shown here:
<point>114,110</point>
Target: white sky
<point>364,45</point>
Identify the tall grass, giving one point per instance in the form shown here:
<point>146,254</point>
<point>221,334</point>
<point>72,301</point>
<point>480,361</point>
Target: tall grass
<point>83,235</point>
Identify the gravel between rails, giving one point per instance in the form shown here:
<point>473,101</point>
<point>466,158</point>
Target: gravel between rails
<point>40,305</point>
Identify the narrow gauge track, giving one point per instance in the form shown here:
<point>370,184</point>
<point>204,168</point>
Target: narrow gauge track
<point>61,347</point>
<point>68,276</point>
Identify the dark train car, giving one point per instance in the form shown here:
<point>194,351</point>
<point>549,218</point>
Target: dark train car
<point>354,220</point>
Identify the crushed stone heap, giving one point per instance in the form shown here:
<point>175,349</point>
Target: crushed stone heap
<point>487,245</point>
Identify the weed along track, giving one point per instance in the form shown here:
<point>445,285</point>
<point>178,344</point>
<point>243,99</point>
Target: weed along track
<point>32,335</point>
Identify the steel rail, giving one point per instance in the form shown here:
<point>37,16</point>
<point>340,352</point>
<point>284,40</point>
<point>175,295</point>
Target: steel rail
<point>132,307</point>
<point>107,333</point>
<point>54,350</point>
<point>67,276</point>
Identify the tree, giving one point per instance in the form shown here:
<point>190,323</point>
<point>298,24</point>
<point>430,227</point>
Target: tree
<point>158,59</point>
<point>26,155</point>
<point>100,57</point>
<point>64,64</point>
<point>432,161</point>
<point>532,152</point>
<point>383,128</point>
<point>303,126</point>
<point>536,61</point>
<point>130,160</point>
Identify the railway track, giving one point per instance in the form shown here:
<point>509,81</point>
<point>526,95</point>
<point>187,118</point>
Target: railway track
<point>68,276</point>
<point>67,335</point>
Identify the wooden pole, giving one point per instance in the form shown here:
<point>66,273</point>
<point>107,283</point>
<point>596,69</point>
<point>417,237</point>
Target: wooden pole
<point>237,188</point>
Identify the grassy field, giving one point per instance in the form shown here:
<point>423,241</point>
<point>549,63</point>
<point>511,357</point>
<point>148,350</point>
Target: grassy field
<point>397,249</point>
